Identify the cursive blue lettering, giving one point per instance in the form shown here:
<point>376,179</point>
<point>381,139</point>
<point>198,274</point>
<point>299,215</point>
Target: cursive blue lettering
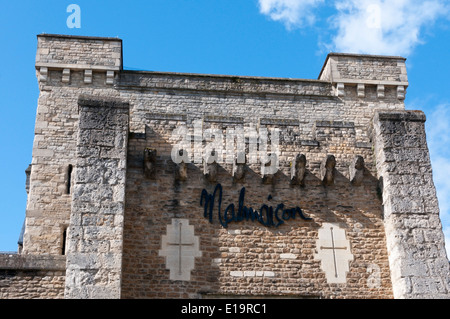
<point>209,202</point>
<point>266,214</point>
<point>280,221</point>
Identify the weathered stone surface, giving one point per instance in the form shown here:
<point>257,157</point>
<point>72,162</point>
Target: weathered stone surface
<point>298,170</point>
<point>27,276</point>
<point>419,265</point>
<point>85,52</point>
<point>102,120</point>
<point>356,170</point>
<point>100,180</point>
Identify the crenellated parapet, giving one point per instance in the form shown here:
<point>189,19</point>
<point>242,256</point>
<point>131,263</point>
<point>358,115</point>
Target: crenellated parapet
<point>68,54</point>
<point>361,71</point>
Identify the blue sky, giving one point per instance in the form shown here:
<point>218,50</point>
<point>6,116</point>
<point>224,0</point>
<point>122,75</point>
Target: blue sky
<point>275,38</point>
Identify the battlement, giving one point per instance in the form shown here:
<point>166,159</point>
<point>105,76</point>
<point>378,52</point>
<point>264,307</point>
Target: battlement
<point>362,70</point>
<point>78,53</point>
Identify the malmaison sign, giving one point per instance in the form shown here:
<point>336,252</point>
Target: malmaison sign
<point>266,215</point>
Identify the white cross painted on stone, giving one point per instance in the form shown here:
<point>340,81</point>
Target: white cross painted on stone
<point>180,247</point>
<point>334,253</point>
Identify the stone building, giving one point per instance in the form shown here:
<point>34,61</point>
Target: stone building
<point>172,185</point>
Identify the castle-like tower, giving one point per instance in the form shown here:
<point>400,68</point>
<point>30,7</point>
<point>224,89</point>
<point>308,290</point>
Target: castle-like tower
<point>172,185</point>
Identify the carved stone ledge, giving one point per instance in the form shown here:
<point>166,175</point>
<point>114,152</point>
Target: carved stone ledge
<point>88,76</point>
<point>327,170</point>
<point>356,170</point>
<point>109,77</point>
<point>66,76</point>
<point>269,169</point>
<point>298,170</point>
<point>340,90</point>
<point>380,91</point>
<point>401,92</point>
<point>239,168</point>
<point>211,167</point>
<point>43,74</point>
<point>360,90</point>
<point>149,162</point>
<point>181,172</point>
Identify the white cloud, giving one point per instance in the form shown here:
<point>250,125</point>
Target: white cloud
<point>438,124</point>
<point>383,26</point>
<point>291,12</point>
<point>392,27</point>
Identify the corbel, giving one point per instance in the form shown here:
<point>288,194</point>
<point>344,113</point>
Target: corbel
<point>110,77</point>
<point>149,162</point>
<point>269,169</point>
<point>181,172</point>
<point>210,168</point>
<point>356,170</point>
<point>380,91</point>
<point>298,170</point>
<point>66,76</point>
<point>360,90</point>
<point>327,170</point>
<point>340,89</point>
<point>400,92</point>
<point>43,71</point>
<point>239,167</point>
<point>87,76</point>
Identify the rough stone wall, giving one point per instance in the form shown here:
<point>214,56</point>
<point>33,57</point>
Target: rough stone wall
<point>247,258</point>
<point>79,52</point>
<point>28,277</point>
<point>254,99</point>
<point>415,241</point>
<point>364,68</point>
<point>94,245</point>
<point>316,118</point>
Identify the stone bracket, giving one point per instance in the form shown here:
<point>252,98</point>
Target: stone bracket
<point>88,76</point>
<point>65,76</point>
<point>43,74</point>
<point>356,171</point>
<point>327,170</point>
<point>298,170</point>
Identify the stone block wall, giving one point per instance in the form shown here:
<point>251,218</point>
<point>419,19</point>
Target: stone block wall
<point>95,235</point>
<point>415,241</point>
<point>56,128</point>
<point>364,68</point>
<point>105,192</point>
<point>32,277</point>
<point>366,71</point>
<point>77,52</point>
<point>247,258</point>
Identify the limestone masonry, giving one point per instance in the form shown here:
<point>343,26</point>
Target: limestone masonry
<point>172,185</point>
